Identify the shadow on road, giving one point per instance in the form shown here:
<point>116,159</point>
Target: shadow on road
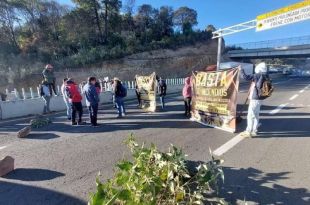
<point>19,194</point>
<point>29,174</point>
<point>42,136</point>
<point>252,185</point>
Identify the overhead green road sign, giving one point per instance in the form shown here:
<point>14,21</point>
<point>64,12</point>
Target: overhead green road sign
<point>287,15</point>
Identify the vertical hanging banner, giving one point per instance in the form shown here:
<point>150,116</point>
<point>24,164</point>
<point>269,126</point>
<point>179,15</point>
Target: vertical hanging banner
<point>214,101</point>
<point>146,86</point>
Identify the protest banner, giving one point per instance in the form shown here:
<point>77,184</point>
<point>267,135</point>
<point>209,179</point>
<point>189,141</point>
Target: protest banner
<point>146,88</point>
<point>214,98</point>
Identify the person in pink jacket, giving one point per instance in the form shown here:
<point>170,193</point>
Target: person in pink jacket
<point>187,95</point>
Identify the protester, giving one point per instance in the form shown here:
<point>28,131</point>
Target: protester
<point>187,95</point>
<point>75,99</point>
<point>162,92</point>
<point>48,75</point>
<point>65,98</point>
<point>138,94</point>
<point>92,100</point>
<point>257,81</point>
<point>46,95</point>
<point>98,87</point>
<point>120,93</point>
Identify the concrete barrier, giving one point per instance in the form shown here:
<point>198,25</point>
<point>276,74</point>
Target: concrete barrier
<point>26,107</point>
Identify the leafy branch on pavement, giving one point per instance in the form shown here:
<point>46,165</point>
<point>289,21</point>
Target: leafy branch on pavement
<point>158,178</point>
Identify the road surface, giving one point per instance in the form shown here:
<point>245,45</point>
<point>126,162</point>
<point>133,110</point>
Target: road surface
<point>58,164</point>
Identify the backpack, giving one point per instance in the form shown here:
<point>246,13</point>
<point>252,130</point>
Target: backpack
<point>123,92</point>
<point>266,89</point>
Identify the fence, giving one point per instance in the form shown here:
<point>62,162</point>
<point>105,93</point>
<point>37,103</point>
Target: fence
<point>32,93</point>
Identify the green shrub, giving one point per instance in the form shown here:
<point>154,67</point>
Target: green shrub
<point>157,178</point>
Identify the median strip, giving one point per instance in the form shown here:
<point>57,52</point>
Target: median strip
<point>294,97</point>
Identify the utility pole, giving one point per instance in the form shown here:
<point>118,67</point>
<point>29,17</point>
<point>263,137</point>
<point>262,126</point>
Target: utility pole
<point>219,52</point>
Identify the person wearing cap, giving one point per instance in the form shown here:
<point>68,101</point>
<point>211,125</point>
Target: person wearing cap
<point>119,93</point>
<point>46,95</point>
<point>49,77</point>
<point>92,100</point>
<point>257,80</point>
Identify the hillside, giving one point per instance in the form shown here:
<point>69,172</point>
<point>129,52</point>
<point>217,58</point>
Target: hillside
<point>166,62</point>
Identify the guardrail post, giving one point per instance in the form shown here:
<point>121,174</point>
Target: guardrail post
<point>58,89</point>
<point>15,93</point>
<point>6,91</point>
<point>39,93</point>
<point>101,87</point>
<point>128,85</point>
<point>24,94</point>
<point>133,85</point>
<point>31,93</point>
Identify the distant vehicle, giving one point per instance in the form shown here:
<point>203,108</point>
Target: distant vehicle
<point>287,71</point>
<point>273,70</point>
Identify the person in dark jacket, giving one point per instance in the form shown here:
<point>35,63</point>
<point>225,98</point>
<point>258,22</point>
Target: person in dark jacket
<point>257,81</point>
<point>162,92</point>
<point>75,99</point>
<point>119,93</point>
<point>49,77</point>
<point>92,100</point>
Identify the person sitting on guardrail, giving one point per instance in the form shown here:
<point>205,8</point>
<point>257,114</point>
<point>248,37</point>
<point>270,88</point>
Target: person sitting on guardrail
<point>187,95</point>
<point>120,92</point>
<point>92,100</point>
<point>75,99</point>
<point>46,95</point>
<point>65,98</point>
<point>257,81</point>
<point>49,77</point>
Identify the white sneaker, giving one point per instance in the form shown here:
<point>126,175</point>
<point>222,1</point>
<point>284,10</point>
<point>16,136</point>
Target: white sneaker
<point>254,134</point>
<point>123,114</point>
<point>246,134</point>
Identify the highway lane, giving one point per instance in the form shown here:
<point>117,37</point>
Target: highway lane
<point>58,164</point>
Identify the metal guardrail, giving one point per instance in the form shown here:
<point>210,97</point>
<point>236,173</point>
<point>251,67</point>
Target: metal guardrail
<point>31,93</point>
<point>295,41</point>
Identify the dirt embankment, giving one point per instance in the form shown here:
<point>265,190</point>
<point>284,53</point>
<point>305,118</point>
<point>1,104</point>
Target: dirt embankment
<point>166,63</point>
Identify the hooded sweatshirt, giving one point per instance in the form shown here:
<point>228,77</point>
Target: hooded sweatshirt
<point>257,80</point>
<point>73,92</point>
<point>187,89</point>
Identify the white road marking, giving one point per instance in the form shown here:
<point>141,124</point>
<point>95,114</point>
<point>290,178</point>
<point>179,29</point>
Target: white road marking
<point>301,91</point>
<point>228,145</point>
<point>278,109</point>
<point>294,97</point>
<point>3,147</point>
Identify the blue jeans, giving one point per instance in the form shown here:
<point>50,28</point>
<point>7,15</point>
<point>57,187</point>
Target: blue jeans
<point>68,105</point>
<point>120,105</point>
<point>162,101</point>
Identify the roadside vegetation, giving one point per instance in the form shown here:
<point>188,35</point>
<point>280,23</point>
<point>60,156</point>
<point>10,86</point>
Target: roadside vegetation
<point>159,178</point>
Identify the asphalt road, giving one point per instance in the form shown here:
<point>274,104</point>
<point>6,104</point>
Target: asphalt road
<point>58,164</point>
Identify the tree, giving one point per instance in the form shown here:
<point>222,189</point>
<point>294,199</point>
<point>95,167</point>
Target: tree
<point>111,10</point>
<point>210,28</point>
<point>185,18</point>
<point>8,21</point>
<point>92,7</point>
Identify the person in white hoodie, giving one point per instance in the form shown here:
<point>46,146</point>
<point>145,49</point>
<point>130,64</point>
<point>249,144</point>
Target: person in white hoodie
<point>257,79</point>
<point>65,98</point>
<point>46,95</point>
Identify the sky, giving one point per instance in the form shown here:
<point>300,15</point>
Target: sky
<point>224,13</point>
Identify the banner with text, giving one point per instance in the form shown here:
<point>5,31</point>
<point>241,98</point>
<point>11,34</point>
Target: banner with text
<point>146,88</point>
<point>215,98</point>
